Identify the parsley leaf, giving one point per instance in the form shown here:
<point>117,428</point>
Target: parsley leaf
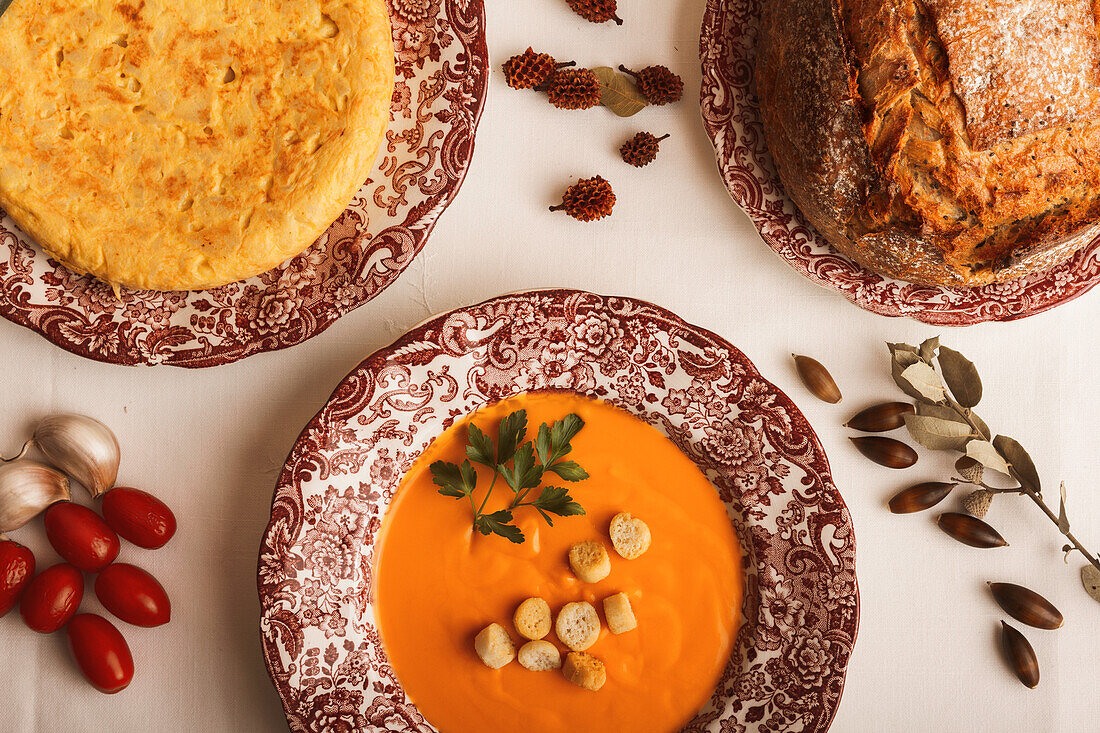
<point>543,445</point>
<point>525,473</point>
<point>499,523</point>
<point>569,470</point>
<point>512,430</point>
<point>556,500</point>
<point>480,450</point>
<point>563,431</point>
<point>454,481</point>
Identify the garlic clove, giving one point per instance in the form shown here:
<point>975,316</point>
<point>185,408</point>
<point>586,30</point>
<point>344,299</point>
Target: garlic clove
<point>26,489</point>
<point>82,447</point>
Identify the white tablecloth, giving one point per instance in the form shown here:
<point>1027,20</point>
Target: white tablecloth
<point>211,442</point>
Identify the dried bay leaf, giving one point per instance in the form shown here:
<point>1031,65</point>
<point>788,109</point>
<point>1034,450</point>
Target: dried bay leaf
<point>1020,465</point>
<point>618,93</point>
<point>937,433</point>
<point>961,376</point>
<point>946,412</point>
<point>924,381</point>
<point>928,349</point>
<point>1090,578</point>
<point>984,453</point>
<point>1063,519</point>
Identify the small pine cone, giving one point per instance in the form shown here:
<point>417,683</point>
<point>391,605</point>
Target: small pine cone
<point>658,84</point>
<point>530,70</point>
<point>596,11</point>
<point>641,150</point>
<point>588,200</point>
<point>574,89</point>
<point>976,504</point>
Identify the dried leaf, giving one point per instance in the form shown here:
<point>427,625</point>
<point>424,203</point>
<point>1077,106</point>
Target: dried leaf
<point>1090,578</point>
<point>961,376</point>
<point>984,453</point>
<point>925,381</point>
<point>938,434</point>
<point>618,93</point>
<point>1063,520</point>
<point>928,349</point>
<point>1020,465</point>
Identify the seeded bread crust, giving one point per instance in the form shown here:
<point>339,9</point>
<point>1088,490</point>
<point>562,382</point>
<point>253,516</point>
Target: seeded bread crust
<point>929,144</point>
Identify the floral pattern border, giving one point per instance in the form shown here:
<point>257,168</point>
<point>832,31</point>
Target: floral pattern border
<point>801,604</point>
<point>442,72</point>
<point>731,116</point>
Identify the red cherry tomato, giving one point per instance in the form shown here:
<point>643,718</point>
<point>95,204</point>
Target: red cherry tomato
<point>101,652</point>
<point>52,597</point>
<point>139,517</point>
<point>16,569</point>
<point>81,536</point>
<point>133,595</point>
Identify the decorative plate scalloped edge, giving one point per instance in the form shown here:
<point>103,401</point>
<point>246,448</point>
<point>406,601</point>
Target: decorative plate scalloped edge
<point>727,49</point>
<point>442,74</point>
<point>801,602</point>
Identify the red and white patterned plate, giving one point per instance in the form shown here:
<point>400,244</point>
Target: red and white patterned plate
<point>731,115</point>
<point>801,603</point>
<point>442,70</point>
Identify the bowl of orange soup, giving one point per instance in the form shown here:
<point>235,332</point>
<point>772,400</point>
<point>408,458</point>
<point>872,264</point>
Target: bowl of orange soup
<point>398,552</point>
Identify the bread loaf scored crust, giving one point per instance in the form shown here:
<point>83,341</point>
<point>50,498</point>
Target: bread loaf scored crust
<point>942,142</point>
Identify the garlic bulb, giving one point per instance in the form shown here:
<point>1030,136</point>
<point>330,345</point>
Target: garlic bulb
<point>82,447</point>
<point>26,489</point>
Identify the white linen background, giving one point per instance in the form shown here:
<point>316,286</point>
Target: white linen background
<point>211,441</point>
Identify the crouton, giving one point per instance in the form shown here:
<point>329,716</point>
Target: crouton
<point>590,561</point>
<point>532,618</point>
<point>539,656</point>
<point>494,646</point>
<point>578,626</point>
<point>619,614</point>
<point>629,535</point>
<point>584,670</point>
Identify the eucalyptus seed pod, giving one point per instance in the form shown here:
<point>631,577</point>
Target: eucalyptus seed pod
<point>970,530</point>
<point>880,418</point>
<point>886,451</point>
<point>1020,656</point>
<point>1026,606</point>
<point>970,469</point>
<point>817,379</point>
<point>920,497</point>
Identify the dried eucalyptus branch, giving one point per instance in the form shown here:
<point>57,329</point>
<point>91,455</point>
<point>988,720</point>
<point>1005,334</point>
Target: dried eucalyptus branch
<point>946,387</point>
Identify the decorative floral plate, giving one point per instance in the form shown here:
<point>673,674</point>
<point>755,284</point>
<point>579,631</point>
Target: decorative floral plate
<point>732,118</point>
<point>442,70</point>
<point>801,604</point>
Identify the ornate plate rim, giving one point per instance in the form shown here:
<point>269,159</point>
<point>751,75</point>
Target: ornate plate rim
<point>884,296</point>
<point>422,228</point>
<point>287,483</point>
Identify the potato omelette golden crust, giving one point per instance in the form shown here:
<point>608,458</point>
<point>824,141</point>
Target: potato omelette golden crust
<point>185,144</point>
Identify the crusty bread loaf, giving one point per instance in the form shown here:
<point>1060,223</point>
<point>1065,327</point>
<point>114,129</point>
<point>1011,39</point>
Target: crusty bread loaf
<point>539,656</point>
<point>532,618</point>
<point>944,142</point>
<point>494,646</point>
<point>629,535</point>
<point>584,670</point>
<point>578,625</point>
<point>619,614</point>
<point>589,561</point>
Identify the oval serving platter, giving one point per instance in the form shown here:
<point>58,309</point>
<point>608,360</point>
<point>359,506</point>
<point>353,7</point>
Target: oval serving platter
<point>731,115</point>
<point>442,71</point>
<point>801,604</point>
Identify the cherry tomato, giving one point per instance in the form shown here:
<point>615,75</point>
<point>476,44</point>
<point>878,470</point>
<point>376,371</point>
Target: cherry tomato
<point>16,569</point>
<point>52,597</point>
<point>101,652</point>
<point>81,536</point>
<point>139,517</point>
<point>133,595</point>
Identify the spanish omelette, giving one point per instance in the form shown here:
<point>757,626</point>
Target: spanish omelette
<point>186,144</point>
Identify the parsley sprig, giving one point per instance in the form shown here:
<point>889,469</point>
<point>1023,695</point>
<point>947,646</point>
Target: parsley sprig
<point>530,462</point>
